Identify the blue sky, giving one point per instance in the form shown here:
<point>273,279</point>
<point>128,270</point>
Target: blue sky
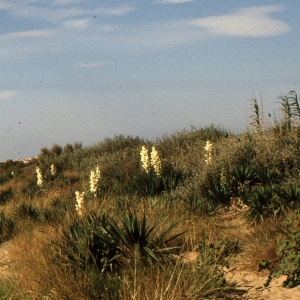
<point>83,70</point>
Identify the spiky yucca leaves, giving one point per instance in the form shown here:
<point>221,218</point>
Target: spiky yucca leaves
<point>85,244</point>
<point>218,188</point>
<point>243,179</point>
<point>98,241</point>
<point>6,195</point>
<point>136,237</point>
<point>263,203</point>
<point>27,211</point>
<point>203,206</point>
<point>7,227</point>
<point>30,190</point>
<point>243,174</point>
<point>149,184</point>
<point>290,195</point>
<point>5,178</point>
<point>266,175</point>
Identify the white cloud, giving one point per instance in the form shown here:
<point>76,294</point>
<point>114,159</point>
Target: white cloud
<point>79,24</point>
<point>246,22</point>
<point>65,2</point>
<point>7,94</point>
<point>25,34</point>
<point>54,14</point>
<point>155,35</point>
<point>172,1</point>
<point>118,11</point>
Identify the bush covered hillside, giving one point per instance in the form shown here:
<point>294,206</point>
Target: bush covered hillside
<point>115,220</point>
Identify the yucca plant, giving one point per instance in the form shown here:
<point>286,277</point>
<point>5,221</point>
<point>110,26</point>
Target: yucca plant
<point>290,195</point>
<point>6,195</point>
<point>5,178</point>
<point>135,236</point>
<point>243,174</point>
<point>171,177</point>
<point>218,190</point>
<point>262,202</point>
<point>30,190</point>
<point>266,175</point>
<point>84,244</point>
<point>203,206</point>
<point>7,227</point>
<point>149,184</point>
<point>27,210</point>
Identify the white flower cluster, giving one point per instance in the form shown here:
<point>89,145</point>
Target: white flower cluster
<point>79,204</point>
<point>40,180</point>
<point>208,155</point>
<point>155,160</point>
<point>53,170</point>
<point>145,159</point>
<point>94,180</point>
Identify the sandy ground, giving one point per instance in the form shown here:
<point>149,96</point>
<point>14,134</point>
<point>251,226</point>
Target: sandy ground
<point>252,284</point>
<point>5,260</point>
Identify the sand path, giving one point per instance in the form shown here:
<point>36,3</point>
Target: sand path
<point>5,260</point>
<point>252,285</point>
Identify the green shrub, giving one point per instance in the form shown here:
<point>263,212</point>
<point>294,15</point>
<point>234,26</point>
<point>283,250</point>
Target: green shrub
<point>6,195</point>
<point>288,252</point>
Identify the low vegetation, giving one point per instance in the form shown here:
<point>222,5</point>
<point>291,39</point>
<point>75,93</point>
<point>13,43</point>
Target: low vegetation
<point>115,220</point>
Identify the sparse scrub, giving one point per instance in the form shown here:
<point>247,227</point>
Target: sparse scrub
<point>113,236</point>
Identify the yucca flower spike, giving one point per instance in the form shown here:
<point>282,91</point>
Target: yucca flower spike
<point>208,155</point>
<point>145,159</point>
<point>53,170</point>
<point>79,204</point>
<point>156,162</point>
<point>94,180</point>
<point>40,180</point>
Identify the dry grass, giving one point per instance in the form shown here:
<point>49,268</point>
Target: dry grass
<point>39,269</point>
